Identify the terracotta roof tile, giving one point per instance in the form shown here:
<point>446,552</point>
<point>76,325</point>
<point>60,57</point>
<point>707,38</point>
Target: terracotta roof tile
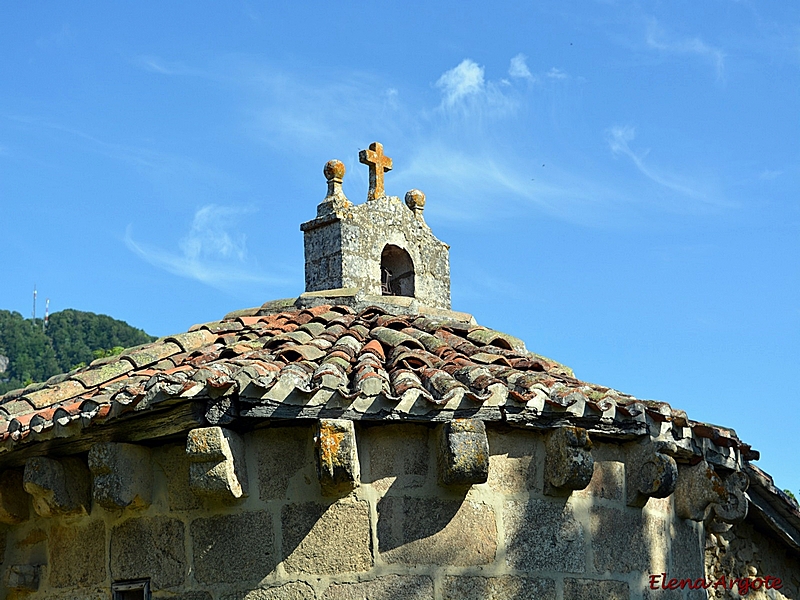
<point>51,395</point>
<point>379,366</point>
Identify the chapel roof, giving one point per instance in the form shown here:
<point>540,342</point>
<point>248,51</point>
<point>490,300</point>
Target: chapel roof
<point>334,361</point>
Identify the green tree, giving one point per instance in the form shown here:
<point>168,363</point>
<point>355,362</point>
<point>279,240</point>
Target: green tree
<point>72,338</point>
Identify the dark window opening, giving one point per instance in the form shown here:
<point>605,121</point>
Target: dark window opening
<point>131,590</point>
<point>397,272</point>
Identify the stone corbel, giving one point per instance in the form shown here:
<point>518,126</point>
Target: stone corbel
<point>337,456</point>
<point>217,468</point>
<point>568,463</point>
<point>701,493</point>
<point>463,452</point>
<point>122,477</point>
<point>14,506</point>
<point>650,473</point>
<point>58,487</point>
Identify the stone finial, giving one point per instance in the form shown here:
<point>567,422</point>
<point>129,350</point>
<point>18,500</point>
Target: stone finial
<point>700,490</point>
<point>23,578</point>
<point>415,200</point>
<point>463,452</point>
<point>650,473</point>
<point>334,173</point>
<point>13,499</point>
<point>122,476</point>
<point>218,463</point>
<point>378,164</point>
<point>568,463</point>
<point>335,200</point>
<point>337,456</point>
<point>58,487</point>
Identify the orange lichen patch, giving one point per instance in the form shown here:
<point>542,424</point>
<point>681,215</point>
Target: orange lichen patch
<point>330,439</point>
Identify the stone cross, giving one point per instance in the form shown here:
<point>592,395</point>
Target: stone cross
<point>378,163</point>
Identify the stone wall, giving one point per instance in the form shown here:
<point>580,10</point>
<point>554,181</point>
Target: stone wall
<point>742,551</point>
<point>400,534</point>
<point>343,250</point>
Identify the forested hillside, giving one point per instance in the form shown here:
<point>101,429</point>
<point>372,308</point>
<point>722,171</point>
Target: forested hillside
<point>72,338</point>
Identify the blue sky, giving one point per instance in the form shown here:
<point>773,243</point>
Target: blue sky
<point>618,181</point>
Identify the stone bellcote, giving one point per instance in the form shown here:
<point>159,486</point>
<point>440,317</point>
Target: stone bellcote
<point>382,247</point>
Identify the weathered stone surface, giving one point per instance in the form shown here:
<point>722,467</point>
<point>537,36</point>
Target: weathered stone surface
<point>514,463</point>
<point>568,463</point>
<point>345,243</point>
<point>149,547</point>
<point>326,539</point>
<point>24,578</point>
<point>122,475</point>
<point>432,531</point>
<point>390,587</point>
<point>79,595</point>
<point>651,473</point>
<point>555,543</point>
<point>290,591</point>
<point>660,594</point>
<point>687,548</point>
<point>608,481</point>
<point>463,452</point>
<point>398,456</point>
<point>588,589</point>
<point>217,470</point>
<point>285,458</point>
<point>498,588</point>
<point>628,540</point>
<point>174,464</point>
<point>191,596</point>
<point>77,555</point>
<point>233,548</point>
<point>14,505</point>
<point>732,507</point>
<point>57,487</point>
<point>700,489</point>
<point>337,456</point>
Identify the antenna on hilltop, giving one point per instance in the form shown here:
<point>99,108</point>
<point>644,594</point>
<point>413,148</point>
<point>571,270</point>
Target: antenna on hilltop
<point>34,302</point>
<point>46,314</point>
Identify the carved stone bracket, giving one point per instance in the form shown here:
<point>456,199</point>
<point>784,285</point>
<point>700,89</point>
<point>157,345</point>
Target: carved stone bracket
<point>650,473</point>
<point>568,463</point>
<point>122,476</point>
<point>58,487</point>
<point>337,456</point>
<point>463,452</point>
<point>701,493</point>
<point>217,468</point>
<point>14,507</point>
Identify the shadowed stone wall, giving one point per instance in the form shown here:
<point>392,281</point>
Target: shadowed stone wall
<point>398,535</point>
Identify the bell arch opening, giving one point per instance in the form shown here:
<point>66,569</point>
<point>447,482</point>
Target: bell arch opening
<point>397,272</point>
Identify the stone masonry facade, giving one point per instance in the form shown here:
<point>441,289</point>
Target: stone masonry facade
<point>398,534</point>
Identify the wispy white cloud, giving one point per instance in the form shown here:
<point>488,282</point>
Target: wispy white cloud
<point>619,139</point>
<point>147,159</point>
<point>212,252</point>
<point>555,73</point>
<point>659,40</point>
<point>155,64</point>
<point>769,174</point>
<point>466,93</point>
<point>460,82</point>
<point>518,69</point>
